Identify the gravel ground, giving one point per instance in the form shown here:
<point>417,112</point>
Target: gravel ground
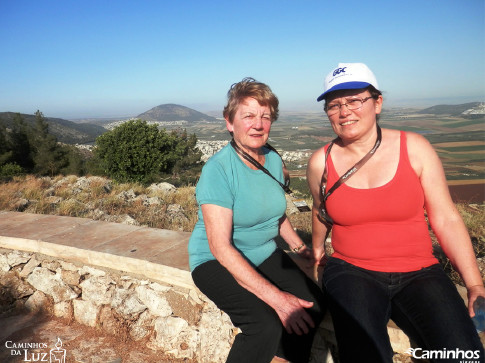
<point>82,344</point>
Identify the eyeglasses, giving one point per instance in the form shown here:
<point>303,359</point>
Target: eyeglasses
<point>352,104</point>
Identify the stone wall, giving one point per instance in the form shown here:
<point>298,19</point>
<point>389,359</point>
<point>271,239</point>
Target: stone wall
<point>179,321</point>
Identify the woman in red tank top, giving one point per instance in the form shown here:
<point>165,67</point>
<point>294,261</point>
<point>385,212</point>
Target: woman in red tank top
<point>383,265</point>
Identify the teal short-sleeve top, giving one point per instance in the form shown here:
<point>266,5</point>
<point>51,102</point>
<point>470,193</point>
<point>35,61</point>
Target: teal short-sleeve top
<point>258,202</point>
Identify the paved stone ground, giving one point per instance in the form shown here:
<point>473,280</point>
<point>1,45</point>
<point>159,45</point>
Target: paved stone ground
<point>82,344</point>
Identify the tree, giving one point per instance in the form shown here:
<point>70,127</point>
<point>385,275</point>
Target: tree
<point>136,151</point>
<point>49,157</point>
<point>6,152</point>
<point>76,163</point>
<point>190,154</point>
<point>20,143</point>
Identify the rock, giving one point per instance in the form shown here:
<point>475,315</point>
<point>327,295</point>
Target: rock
<point>127,196</point>
<point>108,321</point>
<point>216,334</point>
<point>70,277</point>
<point>4,266</point>
<point>98,289</point>
<point>142,327</point>
<point>126,282</point>
<point>22,289</point>
<point>176,213</point>
<point>51,265</point>
<point>92,271</point>
<point>29,267</point>
<point>51,284</point>
<point>127,219</point>
<point>68,266</point>
<point>14,286</point>
<point>16,258</point>
<point>85,312</point>
<point>21,204</point>
<point>169,328</point>
<point>131,306</point>
<point>162,187</point>
<point>53,200</point>
<point>37,301</point>
<point>98,214</point>
<point>173,335</point>
<point>154,301</point>
<point>182,308</point>
<point>159,288</point>
<point>148,201</point>
<point>64,310</point>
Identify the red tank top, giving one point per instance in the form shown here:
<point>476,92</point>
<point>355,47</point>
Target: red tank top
<point>383,228</point>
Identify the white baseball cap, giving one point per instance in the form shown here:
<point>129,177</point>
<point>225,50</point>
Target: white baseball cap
<point>348,76</point>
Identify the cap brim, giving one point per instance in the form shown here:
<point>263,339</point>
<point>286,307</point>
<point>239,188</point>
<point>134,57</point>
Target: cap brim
<point>341,86</point>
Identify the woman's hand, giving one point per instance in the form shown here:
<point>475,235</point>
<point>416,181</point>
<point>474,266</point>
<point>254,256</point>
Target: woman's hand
<point>319,256</point>
<point>306,253</point>
<point>291,311</point>
<point>473,293</point>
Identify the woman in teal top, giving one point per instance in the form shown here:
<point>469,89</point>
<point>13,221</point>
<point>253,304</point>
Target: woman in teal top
<point>233,256</point>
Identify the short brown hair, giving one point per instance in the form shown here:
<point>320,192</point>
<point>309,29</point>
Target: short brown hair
<point>249,87</point>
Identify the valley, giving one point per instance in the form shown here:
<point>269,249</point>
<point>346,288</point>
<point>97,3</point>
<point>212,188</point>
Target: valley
<point>460,142</point>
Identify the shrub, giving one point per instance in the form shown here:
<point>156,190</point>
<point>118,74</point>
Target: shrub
<point>138,152</point>
<point>9,170</point>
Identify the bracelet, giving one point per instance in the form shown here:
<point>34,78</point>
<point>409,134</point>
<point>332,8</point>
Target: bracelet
<point>297,249</point>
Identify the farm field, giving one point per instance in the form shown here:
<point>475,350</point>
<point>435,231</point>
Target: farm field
<point>459,142</point>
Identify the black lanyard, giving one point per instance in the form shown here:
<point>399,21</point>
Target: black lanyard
<point>245,155</point>
<point>346,176</point>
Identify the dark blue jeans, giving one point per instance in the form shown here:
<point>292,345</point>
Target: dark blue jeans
<point>424,304</point>
<point>262,334</point>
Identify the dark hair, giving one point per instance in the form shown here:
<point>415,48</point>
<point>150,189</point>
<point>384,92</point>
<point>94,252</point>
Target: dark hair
<point>249,87</point>
<point>374,92</point>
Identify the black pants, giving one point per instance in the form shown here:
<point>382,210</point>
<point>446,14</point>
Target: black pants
<point>423,303</point>
<point>262,333</point>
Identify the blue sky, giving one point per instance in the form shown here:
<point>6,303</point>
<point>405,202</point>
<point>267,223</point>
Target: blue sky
<point>100,58</point>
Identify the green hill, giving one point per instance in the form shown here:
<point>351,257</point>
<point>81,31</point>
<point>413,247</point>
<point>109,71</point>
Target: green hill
<point>172,112</point>
<point>65,131</point>
<point>453,110</point>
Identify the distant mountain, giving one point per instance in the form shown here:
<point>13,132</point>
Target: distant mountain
<point>453,110</point>
<point>65,131</point>
<point>172,112</point>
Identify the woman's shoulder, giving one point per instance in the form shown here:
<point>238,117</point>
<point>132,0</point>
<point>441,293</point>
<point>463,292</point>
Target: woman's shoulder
<point>272,154</point>
<point>318,156</point>
<point>316,164</point>
<point>416,142</point>
<point>420,151</point>
<point>413,139</point>
<point>220,156</point>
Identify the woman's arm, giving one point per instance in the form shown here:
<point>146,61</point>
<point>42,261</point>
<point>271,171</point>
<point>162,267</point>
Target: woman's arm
<point>290,309</point>
<point>290,236</point>
<point>320,230</point>
<point>444,218</point>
